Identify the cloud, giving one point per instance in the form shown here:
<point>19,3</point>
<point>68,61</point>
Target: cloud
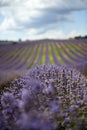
<point>4,3</point>
<point>74,33</point>
<point>32,34</point>
<point>38,15</point>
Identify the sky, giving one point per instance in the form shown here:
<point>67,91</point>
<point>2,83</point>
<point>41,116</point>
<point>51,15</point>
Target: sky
<point>41,19</point>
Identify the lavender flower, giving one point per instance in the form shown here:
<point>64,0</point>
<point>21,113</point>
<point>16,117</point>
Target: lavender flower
<point>46,98</point>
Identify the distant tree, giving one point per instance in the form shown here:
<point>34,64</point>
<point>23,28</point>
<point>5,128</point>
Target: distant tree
<point>85,36</point>
<point>14,42</point>
<point>80,37</point>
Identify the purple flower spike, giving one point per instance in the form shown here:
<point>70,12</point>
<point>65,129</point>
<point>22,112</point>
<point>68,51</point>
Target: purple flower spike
<point>46,98</point>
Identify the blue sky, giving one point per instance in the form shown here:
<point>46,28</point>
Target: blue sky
<point>38,19</point>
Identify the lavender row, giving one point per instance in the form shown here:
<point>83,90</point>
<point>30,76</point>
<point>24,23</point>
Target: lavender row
<point>47,61</point>
<point>13,60</point>
<point>54,56</point>
<point>39,57</point>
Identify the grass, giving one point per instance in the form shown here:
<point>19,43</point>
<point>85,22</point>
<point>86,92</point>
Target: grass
<point>31,53</point>
<point>73,47</point>
<point>36,57</point>
<point>57,54</point>
<point>27,50</point>
<point>77,46</point>
<point>64,54</point>
<point>69,50</point>
<point>85,74</point>
<point>43,55</point>
<point>50,54</point>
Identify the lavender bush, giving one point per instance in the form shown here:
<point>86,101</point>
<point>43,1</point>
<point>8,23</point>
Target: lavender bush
<point>46,98</point>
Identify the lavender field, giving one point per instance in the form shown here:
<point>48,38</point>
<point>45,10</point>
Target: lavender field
<point>43,85</point>
<point>16,59</point>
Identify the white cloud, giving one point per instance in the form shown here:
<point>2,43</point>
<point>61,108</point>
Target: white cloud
<point>31,16</point>
<point>51,34</point>
<point>8,24</point>
<point>73,33</point>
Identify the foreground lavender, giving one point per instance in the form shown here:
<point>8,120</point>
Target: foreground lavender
<point>46,98</point>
